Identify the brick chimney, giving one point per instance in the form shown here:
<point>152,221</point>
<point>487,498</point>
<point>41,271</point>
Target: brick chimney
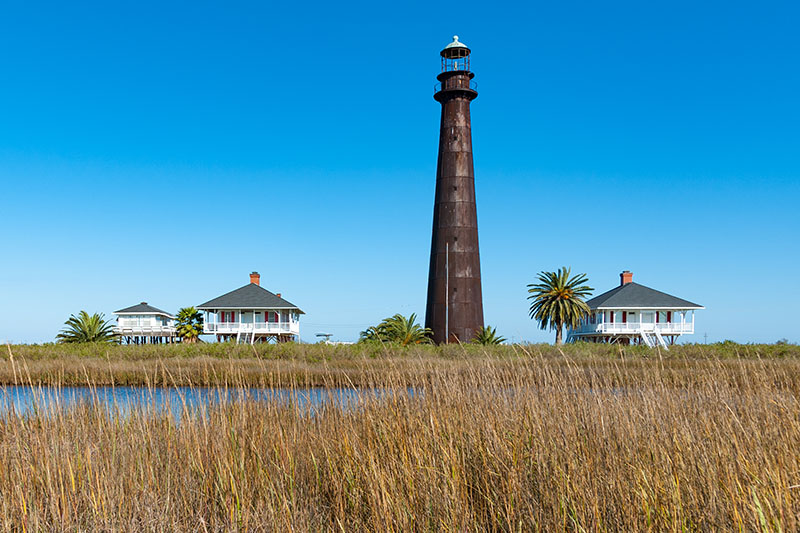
<point>625,277</point>
<point>255,277</point>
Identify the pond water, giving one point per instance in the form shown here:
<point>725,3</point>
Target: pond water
<point>27,400</point>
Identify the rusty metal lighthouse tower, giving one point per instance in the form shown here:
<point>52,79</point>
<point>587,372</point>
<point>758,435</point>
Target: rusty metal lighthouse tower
<point>455,303</point>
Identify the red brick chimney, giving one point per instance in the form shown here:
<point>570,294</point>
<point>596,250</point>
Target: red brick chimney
<point>625,277</point>
<point>255,277</point>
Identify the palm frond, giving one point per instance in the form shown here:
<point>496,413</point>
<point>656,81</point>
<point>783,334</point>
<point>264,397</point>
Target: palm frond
<point>189,325</point>
<point>86,328</point>
<point>487,336</point>
<point>398,329</point>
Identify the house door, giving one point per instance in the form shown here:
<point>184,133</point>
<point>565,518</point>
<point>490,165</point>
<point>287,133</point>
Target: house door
<point>648,320</point>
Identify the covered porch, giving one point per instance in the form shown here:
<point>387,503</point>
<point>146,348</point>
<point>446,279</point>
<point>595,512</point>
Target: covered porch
<point>252,325</point>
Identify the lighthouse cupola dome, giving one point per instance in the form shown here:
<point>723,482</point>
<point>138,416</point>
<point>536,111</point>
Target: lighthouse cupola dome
<point>455,56</point>
<point>455,49</point>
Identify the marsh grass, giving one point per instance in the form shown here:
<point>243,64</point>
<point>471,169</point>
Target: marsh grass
<point>530,441</point>
<point>312,364</point>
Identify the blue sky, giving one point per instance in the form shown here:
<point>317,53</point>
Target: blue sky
<point>161,151</point>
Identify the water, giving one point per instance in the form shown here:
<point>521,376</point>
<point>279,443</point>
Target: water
<point>27,400</point>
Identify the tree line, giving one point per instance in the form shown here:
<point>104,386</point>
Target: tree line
<point>84,327</point>
<point>557,301</point>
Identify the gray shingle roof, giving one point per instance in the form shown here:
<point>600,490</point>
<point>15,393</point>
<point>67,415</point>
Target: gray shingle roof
<point>251,296</point>
<point>142,308</point>
<point>635,296</point>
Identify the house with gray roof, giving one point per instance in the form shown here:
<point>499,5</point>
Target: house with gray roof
<point>635,314</point>
<point>251,314</point>
<point>144,324</point>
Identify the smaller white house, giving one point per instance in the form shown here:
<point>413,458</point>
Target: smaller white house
<point>251,314</point>
<point>145,324</point>
<point>635,314</point>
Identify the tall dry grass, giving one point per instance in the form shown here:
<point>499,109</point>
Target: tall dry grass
<point>313,364</point>
<point>481,444</point>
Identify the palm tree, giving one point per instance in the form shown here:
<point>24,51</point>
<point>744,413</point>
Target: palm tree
<point>487,336</point>
<point>558,300</point>
<point>373,333</point>
<point>406,330</point>
<point>189,325</point>
<point>399,329</point>
<point>86,328</point>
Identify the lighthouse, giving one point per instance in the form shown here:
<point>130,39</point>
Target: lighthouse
<point>455,304</point>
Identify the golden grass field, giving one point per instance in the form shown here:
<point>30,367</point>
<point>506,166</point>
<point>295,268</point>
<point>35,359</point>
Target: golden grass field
<point>526,438</point>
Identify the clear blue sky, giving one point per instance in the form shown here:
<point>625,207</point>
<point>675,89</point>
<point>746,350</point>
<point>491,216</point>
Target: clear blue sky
<point>161,151</point>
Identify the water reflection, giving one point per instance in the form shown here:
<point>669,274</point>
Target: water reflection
<point>27,400</point>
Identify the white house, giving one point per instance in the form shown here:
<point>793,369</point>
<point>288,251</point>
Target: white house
<point>251,314</point>
<point>635,314</point>
<point>143,324</point>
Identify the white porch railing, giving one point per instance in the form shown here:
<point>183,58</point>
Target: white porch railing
<point>144,330</point>
<point>234,328</point>
<point>664,328</point>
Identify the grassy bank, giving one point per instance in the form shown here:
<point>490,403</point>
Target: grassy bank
<point>316,365</point>
<point>320,352</point>
<point>512,442</point>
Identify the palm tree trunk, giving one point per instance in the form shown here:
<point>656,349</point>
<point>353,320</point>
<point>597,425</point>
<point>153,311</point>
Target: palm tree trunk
<point>558,335</point>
